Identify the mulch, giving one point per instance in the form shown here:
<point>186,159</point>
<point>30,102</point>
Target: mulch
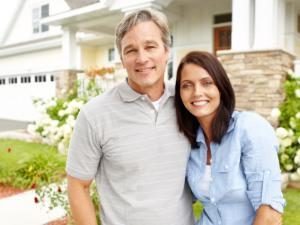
<point>6,191</point>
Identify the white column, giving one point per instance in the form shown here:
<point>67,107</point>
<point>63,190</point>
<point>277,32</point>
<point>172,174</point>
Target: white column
<point>290,26</point>
<point>69,48</point>
<point>266,22</point>
<point>242,24</point>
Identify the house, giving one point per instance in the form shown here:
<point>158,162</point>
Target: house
<point>47,42</point>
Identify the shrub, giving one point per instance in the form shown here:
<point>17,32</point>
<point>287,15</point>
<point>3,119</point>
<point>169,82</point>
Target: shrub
<point>288,131</point>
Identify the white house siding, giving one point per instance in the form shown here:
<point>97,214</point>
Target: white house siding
<point>22,29</point>
<point>48,59</point>
<point>195,31</point>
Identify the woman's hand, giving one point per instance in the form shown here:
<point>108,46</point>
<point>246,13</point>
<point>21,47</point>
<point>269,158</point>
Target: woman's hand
<point>266,215</point>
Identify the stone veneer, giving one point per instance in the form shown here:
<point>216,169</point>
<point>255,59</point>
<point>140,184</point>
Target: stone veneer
<point>257,78</point>
<point>65,81</point>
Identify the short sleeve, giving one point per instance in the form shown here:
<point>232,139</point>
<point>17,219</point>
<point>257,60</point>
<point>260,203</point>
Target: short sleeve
<point>84,152</point>
<point>260,162</point>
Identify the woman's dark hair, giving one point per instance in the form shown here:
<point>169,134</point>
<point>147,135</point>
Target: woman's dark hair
<point>188,124</point>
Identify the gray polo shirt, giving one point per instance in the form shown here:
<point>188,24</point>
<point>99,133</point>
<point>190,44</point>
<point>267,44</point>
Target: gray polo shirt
<point>137,157</point>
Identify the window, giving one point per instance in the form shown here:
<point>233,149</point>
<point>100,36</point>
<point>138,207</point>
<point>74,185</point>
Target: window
<point>52,78</point>
<point>37,14</point>
<point>111,54</point>
<point>223,18</point>
<point>12,80</point>
<point>39,78</point>
<point>2,81</point>
<point>298,23</point>
<point>26,79</point>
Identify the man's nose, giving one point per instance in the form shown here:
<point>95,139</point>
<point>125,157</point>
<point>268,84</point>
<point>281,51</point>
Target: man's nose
<point>142,56</point>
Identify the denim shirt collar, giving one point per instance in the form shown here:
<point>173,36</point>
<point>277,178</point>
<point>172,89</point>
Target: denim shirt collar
<point>200,135</point>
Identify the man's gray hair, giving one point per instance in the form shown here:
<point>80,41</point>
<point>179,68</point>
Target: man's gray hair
<point>143,15</point>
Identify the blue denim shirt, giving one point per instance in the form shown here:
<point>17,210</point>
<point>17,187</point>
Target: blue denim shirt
<point>245,172</point>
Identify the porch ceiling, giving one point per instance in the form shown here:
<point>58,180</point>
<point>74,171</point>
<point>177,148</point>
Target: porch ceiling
<point>95,18</point>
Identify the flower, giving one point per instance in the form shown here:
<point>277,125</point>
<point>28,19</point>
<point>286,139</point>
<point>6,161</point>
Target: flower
<point>297,93</point>
<point>36,200</point>
<point>275,113</point>
<point>281,132</point>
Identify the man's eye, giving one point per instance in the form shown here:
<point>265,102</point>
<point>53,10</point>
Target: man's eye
<point>129,51</point>
<point>150,47</point>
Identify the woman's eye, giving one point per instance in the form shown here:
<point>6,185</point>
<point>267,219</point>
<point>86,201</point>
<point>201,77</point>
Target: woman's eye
<point>208,83</point>
<point>186,85</point>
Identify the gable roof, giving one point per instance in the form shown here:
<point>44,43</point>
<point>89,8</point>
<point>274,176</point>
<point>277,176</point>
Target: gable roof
<point>12,9</point>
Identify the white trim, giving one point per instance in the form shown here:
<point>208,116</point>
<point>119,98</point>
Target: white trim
<point>227,24</point>
<point>32,45</point>
<point>61,18</point>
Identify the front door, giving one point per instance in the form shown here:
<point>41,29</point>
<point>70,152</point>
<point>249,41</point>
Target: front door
<point>222,38</point>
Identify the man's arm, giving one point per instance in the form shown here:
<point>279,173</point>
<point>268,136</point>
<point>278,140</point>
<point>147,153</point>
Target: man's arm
<point>82,208</point>
<point>266,215</point>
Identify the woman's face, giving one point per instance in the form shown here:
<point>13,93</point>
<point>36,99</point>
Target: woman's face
<point>199,93</point>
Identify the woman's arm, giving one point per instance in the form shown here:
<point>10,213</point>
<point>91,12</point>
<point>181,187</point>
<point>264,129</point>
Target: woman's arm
<point>266,215</point>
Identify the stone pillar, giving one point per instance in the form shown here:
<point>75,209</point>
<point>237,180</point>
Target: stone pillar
<point>257,78</point>
<point>65,81</point>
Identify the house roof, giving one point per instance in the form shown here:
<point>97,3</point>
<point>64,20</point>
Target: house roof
<point>11,11</point>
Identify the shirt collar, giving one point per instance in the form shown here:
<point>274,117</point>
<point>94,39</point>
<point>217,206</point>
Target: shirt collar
<point>129,95</point>
<point>200,134</point>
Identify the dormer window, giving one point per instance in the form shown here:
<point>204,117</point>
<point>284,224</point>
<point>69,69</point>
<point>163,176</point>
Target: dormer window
<point>37,14</point>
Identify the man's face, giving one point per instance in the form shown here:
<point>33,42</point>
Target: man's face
<point>144,56</point>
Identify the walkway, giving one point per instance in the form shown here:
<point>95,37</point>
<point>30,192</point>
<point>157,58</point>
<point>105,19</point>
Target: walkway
<point>21,209</point>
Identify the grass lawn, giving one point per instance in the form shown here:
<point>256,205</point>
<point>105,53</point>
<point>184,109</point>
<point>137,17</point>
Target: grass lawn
<point>25,165</point>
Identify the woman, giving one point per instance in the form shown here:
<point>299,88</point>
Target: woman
<point>233,168</point>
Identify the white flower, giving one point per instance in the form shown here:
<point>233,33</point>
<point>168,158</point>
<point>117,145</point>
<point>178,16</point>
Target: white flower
<point>295,177</point>
<point>61,113</point>
<point>297,93</point>
<point>281,132</point>
<point>292,123</point>
<point>297,159</point>
<point>297,115</point>
<point>284,157</point>
<point>61,147</point>
<point>298,171</point>
<point>288,167</point>
<point>286,142</point>
<point>275,113</point>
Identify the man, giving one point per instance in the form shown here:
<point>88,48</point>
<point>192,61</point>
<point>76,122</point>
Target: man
<point>128,140</point>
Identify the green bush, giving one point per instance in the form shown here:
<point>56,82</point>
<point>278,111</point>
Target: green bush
<point>288,131</point>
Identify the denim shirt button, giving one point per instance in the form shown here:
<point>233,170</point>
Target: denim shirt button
<point>226,167</point>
